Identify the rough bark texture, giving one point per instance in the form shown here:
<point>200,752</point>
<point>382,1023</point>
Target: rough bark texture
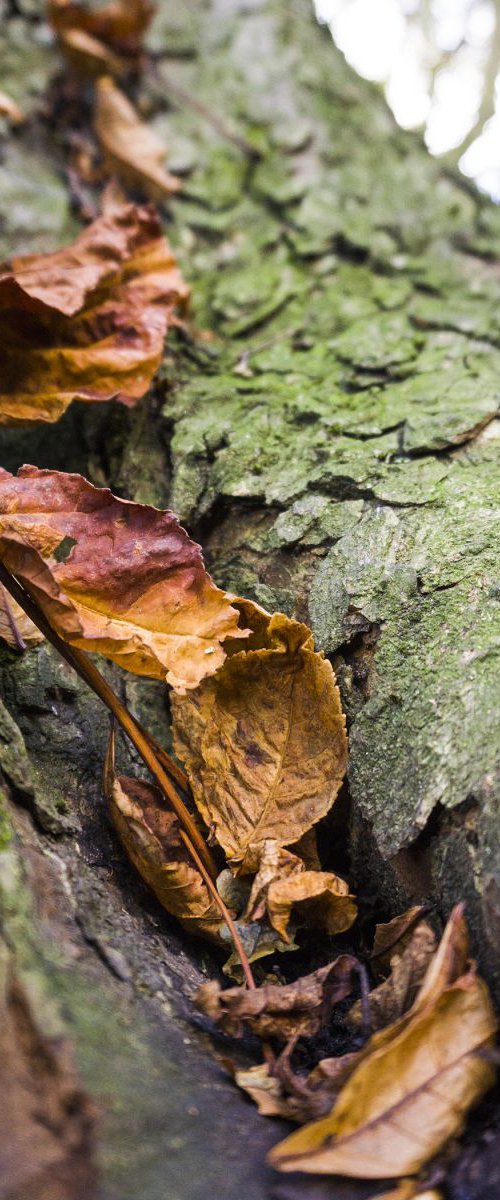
<point>335,448</point>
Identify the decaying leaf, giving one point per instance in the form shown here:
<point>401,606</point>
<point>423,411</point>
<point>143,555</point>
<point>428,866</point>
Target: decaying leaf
<point>264,743</point>
<point>414,1084</point>
<point>87,322</point>
<point>150,835</point>
<point>397,993</point>
<point>130,148</point>
<point>283,1011</point>
<point>16,629</point>
<point>120,578</point>
<point>9,109</point>
<point>120,24</point>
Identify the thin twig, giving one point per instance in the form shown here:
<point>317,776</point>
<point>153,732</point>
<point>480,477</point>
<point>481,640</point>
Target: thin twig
<point>87,671</point>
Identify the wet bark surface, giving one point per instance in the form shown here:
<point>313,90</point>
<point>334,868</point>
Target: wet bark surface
<point>335,448</point>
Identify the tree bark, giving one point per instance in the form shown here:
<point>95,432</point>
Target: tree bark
<point>334,448</point>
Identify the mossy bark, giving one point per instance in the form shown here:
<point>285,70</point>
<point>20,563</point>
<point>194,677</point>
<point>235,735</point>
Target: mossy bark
<point>335,447</point>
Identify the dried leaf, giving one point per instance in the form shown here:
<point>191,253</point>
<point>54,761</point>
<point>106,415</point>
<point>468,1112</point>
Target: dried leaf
<point>87,322</point>
<point>407,1189</point>
<point>414,1084</point>
<point>9,109</point>
<point>16,629</point>
<point>394,935</point>
<point>264,743</point>
<point>320,898</point>
<point>397,993</point>
<point>120,578</point>
<point>130,148</point>
<point>120,24</point>
<point>88,56</point>
<point>284,1011</point>
<point>150,835</point>
<point>294,1097</point>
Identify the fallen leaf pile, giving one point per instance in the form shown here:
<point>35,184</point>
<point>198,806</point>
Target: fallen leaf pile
<point>88,322</point>
<point>257,718</point>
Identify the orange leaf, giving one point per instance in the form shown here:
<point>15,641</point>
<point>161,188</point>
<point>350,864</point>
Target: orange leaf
<point>87,322</point>
<point>264,742</point>
<point>120,578</point>
<point>131,148</point>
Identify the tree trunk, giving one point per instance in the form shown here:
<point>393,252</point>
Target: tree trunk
<point>334,448</point>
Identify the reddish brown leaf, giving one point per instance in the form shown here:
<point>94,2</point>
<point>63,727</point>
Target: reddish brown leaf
<point>87,322</point>
<point>120,24</point>
<point>120,578</point>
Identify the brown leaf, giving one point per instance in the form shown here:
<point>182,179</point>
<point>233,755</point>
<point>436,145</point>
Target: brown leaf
<point>414,1084</point>
<point>297,1009</point>
<point>87,322</point>
<point>397,993</point>
<point>320,898</point>
<point>151,836</point>
<point>120,578</point>
<point>131,148</point>
<point>407,1189</point>
<point>9,109</point>
<point>120,24</point>
<point>16,629</point>
<point>296,1098</point>
<point>394,935</point>
<point>88,56</point>
<point>264,743</point>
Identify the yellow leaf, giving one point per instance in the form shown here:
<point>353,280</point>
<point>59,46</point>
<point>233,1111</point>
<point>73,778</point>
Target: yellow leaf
<point>150,835</point>
<point>264,743</point>
<point>119,578</point>
<point>88,322</point>
<point>414,1084</point>
<point>130,148</point>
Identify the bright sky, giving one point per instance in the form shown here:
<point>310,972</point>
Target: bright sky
<point>401,42</point>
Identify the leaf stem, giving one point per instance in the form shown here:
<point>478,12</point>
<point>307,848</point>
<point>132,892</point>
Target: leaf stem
<point>238,944</point>
<point>141,740</point>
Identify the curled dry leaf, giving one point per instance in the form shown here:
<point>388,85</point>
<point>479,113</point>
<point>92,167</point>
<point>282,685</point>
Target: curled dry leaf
<point>392,936</point>
<point>151,836</point>
<point>284,1011</point>
<point>88,322</point>
<point>283,883</point>
<point>16,629</point>
<point>130,148</point>
<point>120,24</point>
<point>414,1084</point>
<point>410,961</point>
<point>264,744</point>
<point>120,578</point>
